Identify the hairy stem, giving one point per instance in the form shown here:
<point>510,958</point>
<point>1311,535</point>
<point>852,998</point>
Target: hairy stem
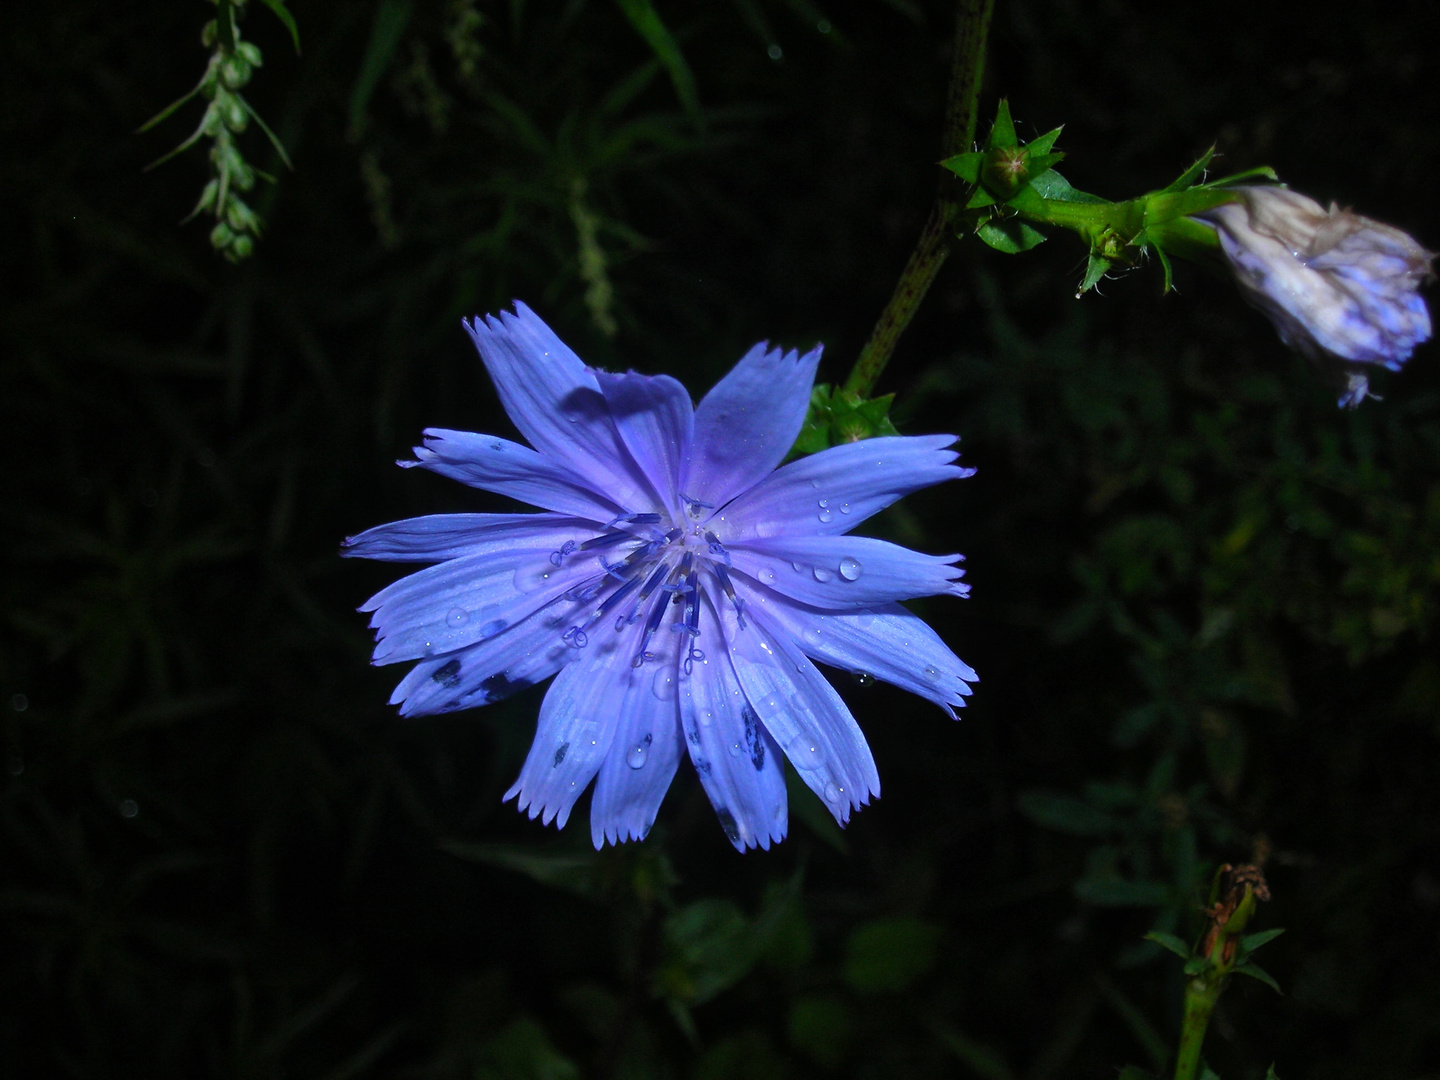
<point>972,29</point>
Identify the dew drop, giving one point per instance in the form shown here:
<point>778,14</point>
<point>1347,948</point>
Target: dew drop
<point>636,758</point>
<point>457,617</point>
<point>493,627</point>
<point>766,575</point>
<point>821,574</point>
<point>768,706</point>
<point>532,576</point>
<point>863,678</point>
<point>810,635</point>
<point>814,483</point>
<point>803,753</point>
<point>832,792</point>
<point>736,749</point>
<point>826,516</point>
<point>663,685</point>
<point>707,717</point>
<point>797,568</point>
<point>932,673</point>
<point>850,568</point>
<point>864,618</point>
<point>844,508</point>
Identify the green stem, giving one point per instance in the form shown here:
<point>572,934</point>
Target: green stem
<point>1201,994</point>
<point>972,30</point>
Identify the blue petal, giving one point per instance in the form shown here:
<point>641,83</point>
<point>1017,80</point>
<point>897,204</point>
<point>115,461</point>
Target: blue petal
<point>737,758</point>
<point>490,670</point>
<point>436,537</point>
<point>554,401</point>
<point>842,573</point>
<point>575,733</point>
<point>835,490</point>
<point>889,643</point>
<point>748,422</point>
<point>804,714</point>
<point>507,468</point>
<point>656,421</point>
<point>637,772</point>
<point>461,601</point>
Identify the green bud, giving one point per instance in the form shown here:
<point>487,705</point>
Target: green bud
<point>249,53</point>
<point>213,122</point>
<point>209,34</point>
<point>240,248</point>
<point>235,71</point>
<point>221,235</point>
<point>236,117</point>
<point>241,218</point>
<point>242,176</point>
<point>1006,170</point>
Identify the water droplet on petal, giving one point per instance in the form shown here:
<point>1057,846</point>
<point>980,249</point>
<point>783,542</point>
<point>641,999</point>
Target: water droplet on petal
<point>766,575</point>
<point>810,635</point>
<point>636,758</point>
<point>832,792</point>
<point>532,576</point>
<point>850,568</point>
<point>844,508</point>
<point>493,627</point>
<point>803,753</point>
<point>864,618</point>
<point>735,749</point>
<point>457,617</point>
<point>664,685</point>
<point>826,516</point>
<point>768,706</point>
<point>707,717</point>
<point>864,678</point>
<point>821,574</point>
<point>932,673</point>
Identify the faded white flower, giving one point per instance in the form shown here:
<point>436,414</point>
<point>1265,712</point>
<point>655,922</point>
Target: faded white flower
<point>1336,285</point>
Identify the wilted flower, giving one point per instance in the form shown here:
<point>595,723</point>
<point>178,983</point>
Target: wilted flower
<point>1336,285</point>
<point>679,583</point>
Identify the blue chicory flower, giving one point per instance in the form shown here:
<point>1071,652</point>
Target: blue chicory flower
<point>1337,286</point>
<point>678,582</point>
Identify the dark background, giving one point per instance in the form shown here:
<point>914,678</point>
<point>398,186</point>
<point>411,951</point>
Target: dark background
<point>1204,598</point>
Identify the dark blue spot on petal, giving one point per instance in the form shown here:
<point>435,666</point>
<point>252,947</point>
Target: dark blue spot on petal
<point>560,752</point>
<point>448,673</point>
<point>499,686</point>
<point>753,738</point>
<point>727,822</point>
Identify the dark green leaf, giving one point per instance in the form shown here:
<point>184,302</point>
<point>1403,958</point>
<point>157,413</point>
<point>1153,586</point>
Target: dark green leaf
<point>1171,942</point>
<point>1250,942</point>
<point>1118,892</point>
<point>1065,813</point>
<point>1257,972</point>
<point>890,954</point>
<point>391,18</point>
<point>1010,235</point>
<point>646,20</point>
<point>283,14</point>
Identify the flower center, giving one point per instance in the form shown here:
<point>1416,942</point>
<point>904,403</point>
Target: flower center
<point>649,563</point>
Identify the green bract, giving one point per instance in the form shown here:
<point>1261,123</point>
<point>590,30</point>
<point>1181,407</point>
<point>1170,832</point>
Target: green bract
<point>1017,193</point>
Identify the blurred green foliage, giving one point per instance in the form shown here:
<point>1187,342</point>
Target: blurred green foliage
<point>1204,597</point>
